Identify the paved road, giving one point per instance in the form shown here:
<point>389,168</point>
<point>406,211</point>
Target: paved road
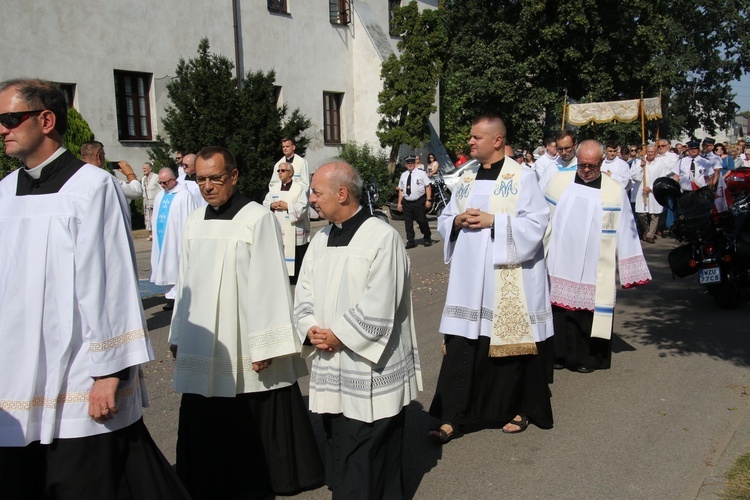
<point>665,422</point>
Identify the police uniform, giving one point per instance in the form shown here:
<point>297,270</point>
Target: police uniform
<point>413,184</point>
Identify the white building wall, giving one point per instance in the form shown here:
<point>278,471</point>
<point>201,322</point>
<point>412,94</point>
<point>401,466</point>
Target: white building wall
<point>83,42</point>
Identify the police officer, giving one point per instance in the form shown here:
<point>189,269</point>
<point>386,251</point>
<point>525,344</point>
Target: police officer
<point>414,197</point>
<point>693,171</point>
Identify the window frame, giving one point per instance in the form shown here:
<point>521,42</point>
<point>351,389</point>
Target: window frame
<point>339,12</point>
<point>332,117</point>
<point>278,6</point>
<point>140,105</point>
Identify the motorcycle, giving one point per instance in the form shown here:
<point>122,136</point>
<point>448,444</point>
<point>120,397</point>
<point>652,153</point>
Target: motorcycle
<point>440,195</point>
<point>716,244</point>
<point>370,197</point>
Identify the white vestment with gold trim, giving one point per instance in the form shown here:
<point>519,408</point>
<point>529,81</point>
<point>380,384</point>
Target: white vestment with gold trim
<point>470,302</point>
<point>70,309</point>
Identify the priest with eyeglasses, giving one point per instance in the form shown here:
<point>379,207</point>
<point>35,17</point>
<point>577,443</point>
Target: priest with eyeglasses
<point>244,431</point>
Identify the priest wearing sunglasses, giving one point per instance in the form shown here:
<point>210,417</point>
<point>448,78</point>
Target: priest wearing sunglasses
<point>73,333</point>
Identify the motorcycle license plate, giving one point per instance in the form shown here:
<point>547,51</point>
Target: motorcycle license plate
<point>711,275</point>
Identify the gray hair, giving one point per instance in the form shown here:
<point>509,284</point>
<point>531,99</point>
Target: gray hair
<point>344,174</point>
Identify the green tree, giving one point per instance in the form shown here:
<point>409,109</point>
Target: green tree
<point>523,56</point>
<point>371,165</point>
<point>208,109</point>
<point>78,132</point>
<point>411,79</point>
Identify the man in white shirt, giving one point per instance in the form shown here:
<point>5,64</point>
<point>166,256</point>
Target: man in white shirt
<point>565,144</point>
<point>547,159</point>
<point>414,197</point>
<point>92,152</point>
<point>616,167</point>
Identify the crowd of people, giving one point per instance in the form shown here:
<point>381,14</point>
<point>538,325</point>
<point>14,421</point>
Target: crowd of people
<point>534,244</point>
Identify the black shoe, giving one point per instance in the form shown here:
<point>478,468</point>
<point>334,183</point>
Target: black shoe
<point>169,305</point>
<point>558,366</point>
<point>428,243</point>
<point>585,369</point>
<point>410,245</point>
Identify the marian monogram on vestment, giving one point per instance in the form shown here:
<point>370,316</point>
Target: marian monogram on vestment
<point>505,189</point>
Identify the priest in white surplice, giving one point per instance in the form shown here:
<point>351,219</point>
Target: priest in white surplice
<point>497,318</point>
<point>301,167</point>
<point>591,234</point>
<point>353,311</point>
<point>171,209</point>
<point>244,431</point>
<point>565,144</point>
<point>73,333</point>
<point>288,201</point>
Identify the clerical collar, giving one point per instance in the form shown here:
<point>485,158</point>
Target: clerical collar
<point>54,173</point>
<point>287,186</point>
<point>490,174</point>
<point>595,183</point>
<point>190,177</point>
<point>341,234</point>
<point>36,172</point>
<point>228,210</point>
<point>290,159</point>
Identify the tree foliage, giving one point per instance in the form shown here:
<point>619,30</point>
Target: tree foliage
<point>78,132</point>
<point>411,79</point>
<point>518,59</point>
<point>371,165</point>
<point>208,109</point>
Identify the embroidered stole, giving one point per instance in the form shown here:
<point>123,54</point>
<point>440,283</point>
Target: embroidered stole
<point>161,222</point>
<point>288,230</point>
<point>512,334</point>
<point>604,296</point>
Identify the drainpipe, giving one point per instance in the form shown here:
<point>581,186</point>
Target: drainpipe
<point>237,47</point>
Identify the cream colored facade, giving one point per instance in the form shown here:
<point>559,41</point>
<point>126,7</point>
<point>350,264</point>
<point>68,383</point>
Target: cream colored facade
<point>83,43</point>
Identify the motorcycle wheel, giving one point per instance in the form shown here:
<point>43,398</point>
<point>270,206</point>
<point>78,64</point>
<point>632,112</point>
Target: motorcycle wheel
<point>727,293</point>
<point>380,215</point>
<point>438,208</point>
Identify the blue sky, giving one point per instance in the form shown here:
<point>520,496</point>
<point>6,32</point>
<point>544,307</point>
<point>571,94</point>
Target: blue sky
<point>742,89</point>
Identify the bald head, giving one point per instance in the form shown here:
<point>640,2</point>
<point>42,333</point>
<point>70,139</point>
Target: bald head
<point>335,191</point>
<point>487,140</point>
<point>188,164</point>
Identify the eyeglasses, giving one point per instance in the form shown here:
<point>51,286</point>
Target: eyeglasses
<point>15,118</point>
<point>279,171</point>
<point>663,145</point>
<point>590,166</point>
<point>166,183</point>
<point>633,150</point>
<point>216,180</point>
<point>567,148</point>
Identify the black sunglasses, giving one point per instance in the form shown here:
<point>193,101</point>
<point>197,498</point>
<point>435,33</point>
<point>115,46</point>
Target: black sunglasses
<point>14,119</point>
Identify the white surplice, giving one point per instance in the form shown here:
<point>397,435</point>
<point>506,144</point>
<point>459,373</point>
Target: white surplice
<point>654,170</point>
<point>573,245</point>
<point>70,309</point>
<point>294,221</point>
<point>362,292</point>
<point>301,172</point>
<point>233,307</point>
<point>618,170</point>
<point>165,261</point>
<point>470,300</point>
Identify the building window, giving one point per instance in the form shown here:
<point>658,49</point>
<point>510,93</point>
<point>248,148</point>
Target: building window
<point>133,110</point>
<point>69,89</point>
<point>332,117</point>
<point>340,11</point>
<point>392,5</point>
<point>277,6</point>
